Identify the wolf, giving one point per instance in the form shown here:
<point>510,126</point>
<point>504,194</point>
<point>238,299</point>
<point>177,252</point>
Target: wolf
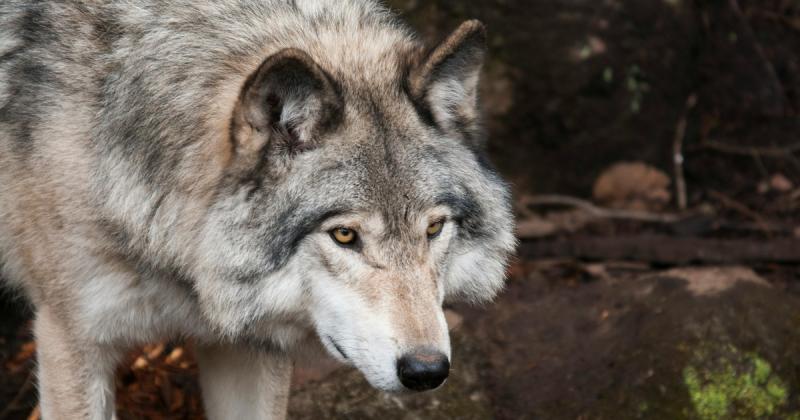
<point>257,176</point>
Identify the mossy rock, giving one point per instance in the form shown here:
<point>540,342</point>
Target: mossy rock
<point>704,344</point>
<point>724,383</point>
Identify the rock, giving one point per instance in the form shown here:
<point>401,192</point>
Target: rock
<point>704,281</point>
<point>705,343</point>
<point>633,186</point>
<point>780,183</point>
<point>726,382</point>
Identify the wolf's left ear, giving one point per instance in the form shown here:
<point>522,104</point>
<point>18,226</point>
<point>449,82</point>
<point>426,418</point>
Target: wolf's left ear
<point>446,81</point>
<point>285,104</point>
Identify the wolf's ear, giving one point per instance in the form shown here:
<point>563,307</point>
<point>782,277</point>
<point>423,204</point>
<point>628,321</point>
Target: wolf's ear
<point>286,104</point>
<point>446,81</point>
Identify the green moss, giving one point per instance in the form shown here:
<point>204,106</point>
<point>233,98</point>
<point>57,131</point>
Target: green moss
<point>727,384</point>
<point>710,402</point>
<point>643,407</point>
<point>776,389</point>
<point>761,369</point>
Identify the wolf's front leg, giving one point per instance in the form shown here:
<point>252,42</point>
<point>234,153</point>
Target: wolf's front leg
<point>76,377</point>
<point>240,383</point>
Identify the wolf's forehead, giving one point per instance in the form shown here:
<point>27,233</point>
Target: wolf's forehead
<point>400,179</point>
<point>387,159</point>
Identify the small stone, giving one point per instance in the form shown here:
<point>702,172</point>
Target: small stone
<point>780,183</point>
<point>597,271</point>
<point>604,315</point>
<point>475,396</point>
<point>597,45</point>
<point>632,186</point>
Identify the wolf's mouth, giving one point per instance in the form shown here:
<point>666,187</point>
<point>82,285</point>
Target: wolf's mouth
<point>336,346</point>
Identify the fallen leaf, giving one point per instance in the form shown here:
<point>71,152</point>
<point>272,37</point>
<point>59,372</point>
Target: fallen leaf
<point>154,351</point>
<point>25,353</point>
<point>178,400</point>
<point>139,363</point>
<point>174,356</point>
<point>35,414</point>
<point>633,186</point>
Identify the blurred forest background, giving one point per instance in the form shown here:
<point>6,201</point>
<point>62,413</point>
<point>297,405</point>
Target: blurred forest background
<point>654,151</point>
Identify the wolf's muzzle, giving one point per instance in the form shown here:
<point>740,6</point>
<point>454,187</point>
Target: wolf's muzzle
<point>422,370</point>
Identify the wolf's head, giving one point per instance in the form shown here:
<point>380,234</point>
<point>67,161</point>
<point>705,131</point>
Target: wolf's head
<point>357,206</point>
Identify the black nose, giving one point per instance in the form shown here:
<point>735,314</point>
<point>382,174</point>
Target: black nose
<point>422,370</point>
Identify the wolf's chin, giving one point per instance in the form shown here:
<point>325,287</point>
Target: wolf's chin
<point>383,383</point>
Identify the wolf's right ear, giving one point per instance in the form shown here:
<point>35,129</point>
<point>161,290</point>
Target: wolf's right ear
<point>285,104</point>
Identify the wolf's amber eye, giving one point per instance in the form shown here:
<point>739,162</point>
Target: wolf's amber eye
<point>435,228</point>
<point>344,236</point>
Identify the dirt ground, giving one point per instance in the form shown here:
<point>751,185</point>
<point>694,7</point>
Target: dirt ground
<point>565,341</point>
<point>626,312</point>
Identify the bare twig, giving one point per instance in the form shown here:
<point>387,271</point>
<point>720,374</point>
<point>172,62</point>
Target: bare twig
<point>663,249</point>
<point>597,211</point>
<point>530,227</point>
<point>677,153</point>
<point>761,167</point>
<point>773,152</point>
<point>729,202</point>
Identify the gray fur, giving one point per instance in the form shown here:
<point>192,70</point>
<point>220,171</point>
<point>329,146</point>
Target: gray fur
<point>146,194</point>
